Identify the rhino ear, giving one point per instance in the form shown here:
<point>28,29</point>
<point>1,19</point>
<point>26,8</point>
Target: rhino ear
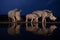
<point>47,10</point>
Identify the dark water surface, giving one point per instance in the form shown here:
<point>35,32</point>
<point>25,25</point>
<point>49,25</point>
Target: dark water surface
<point>25,31</point>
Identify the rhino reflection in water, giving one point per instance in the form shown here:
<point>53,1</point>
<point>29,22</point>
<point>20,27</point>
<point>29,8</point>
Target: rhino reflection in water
<point>32,27</point>
<point>46,31</point>
<point>41,31</point>
<point>14,29</point>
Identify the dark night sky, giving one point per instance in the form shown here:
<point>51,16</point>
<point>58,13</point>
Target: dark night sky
<point>27,6</point>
